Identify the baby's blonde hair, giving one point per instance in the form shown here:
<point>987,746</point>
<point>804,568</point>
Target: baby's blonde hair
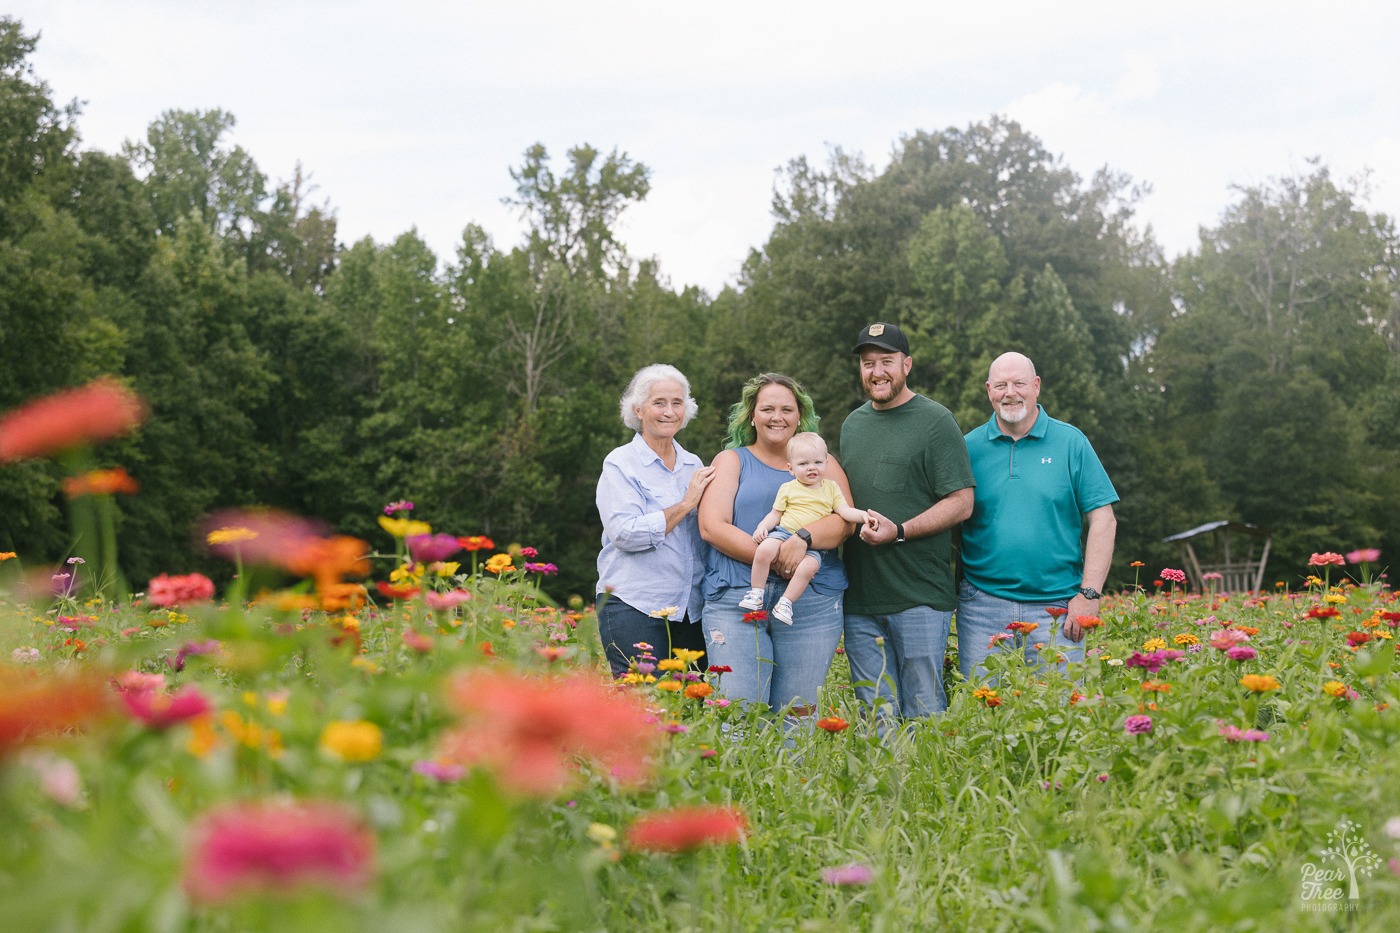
<point>807,440</point>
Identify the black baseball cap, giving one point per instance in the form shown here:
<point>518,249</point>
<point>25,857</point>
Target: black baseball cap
<point>884,336</point>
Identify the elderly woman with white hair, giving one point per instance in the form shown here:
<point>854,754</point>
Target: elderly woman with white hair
<point>652,559</point>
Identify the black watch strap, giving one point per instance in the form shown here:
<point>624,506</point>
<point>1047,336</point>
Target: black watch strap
<point>898,532</point>
<point>1088,592</point>
<point>805,535</point>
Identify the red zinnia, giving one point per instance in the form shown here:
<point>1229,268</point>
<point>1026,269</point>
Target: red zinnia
<point>95,412</point>
<point>1056,611</point>
<point>1357,639</point>
<point>833,724</point>
<point>686,828</point>
<point>477,543</point>
<point>245,847</point>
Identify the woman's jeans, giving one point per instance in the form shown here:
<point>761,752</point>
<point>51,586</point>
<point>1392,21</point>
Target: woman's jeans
<point>773,663</point>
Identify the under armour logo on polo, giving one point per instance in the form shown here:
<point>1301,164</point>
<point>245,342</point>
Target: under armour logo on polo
<point>1044,459</point>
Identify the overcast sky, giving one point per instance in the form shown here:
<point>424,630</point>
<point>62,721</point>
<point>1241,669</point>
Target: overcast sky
<point>411,114</point>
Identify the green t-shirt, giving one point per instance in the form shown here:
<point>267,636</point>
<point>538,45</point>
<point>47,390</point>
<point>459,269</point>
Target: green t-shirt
<point>900,461</point>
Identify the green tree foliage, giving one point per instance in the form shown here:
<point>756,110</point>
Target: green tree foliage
<point>1254,379</point>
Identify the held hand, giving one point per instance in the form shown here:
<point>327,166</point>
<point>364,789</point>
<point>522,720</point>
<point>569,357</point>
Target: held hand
<point>877,529</point>
<point>759,535</point>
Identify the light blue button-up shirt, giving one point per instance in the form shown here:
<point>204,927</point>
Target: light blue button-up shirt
<point>640,564</point>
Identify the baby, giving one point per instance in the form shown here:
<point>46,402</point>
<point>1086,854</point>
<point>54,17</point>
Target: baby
<point>806,498</point>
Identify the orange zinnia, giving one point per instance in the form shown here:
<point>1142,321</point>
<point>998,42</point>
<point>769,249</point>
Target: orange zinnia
<point>33,705</point>
<point>1259,683</point>
<point>832,724</point>
<point>101,483</point>
<point>95,412</point>
<point>686,828</point>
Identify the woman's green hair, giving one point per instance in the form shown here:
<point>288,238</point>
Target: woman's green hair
<point>740,430</point>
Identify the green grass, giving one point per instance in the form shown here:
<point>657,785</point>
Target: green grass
<point>1037,814</point>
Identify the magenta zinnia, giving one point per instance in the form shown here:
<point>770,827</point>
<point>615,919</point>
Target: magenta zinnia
<point>276,848</point>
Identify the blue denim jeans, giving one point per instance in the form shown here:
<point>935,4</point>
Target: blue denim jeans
<point>621,627</point>
<point>982,615</point>
<point>773,663</point>
<point>905,673</point>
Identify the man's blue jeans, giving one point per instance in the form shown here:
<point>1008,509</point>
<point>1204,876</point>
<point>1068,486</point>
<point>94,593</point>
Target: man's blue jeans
<point>897,660</point>
<point>982,615</point>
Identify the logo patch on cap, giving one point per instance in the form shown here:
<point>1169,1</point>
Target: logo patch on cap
<point>877,329</point>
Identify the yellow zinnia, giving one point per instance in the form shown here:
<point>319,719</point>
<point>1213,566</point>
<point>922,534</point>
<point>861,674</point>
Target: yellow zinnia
<point>688,655</point>
<point>404,527</point>
<point>1334,688</point>
<point>356,740</point>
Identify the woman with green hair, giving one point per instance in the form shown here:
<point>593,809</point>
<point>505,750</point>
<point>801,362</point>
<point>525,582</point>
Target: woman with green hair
<point>781,665</point>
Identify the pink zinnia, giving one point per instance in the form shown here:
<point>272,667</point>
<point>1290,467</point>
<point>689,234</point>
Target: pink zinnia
<point>166,590</point>
<point>1325,558</point>
<point>848,875</point>
<point>1227,638</point>
<point>1241,653</point>
<point>1175,576</point>
<point>161,710</point>
<point>1366,555</point>
<point>276,848</point>
<point>429,548</point>
<point>443,602</point>
<point>442,771</point>
<point>1137,725</point>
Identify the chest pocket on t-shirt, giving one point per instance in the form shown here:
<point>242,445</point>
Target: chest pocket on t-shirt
<point>891,474</point>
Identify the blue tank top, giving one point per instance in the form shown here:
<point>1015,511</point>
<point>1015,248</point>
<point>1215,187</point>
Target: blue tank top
<point>758,487</point>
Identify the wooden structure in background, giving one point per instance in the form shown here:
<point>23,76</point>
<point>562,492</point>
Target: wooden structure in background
<point>1229,549</point>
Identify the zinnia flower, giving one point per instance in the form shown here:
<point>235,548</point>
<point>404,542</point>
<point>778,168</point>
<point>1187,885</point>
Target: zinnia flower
<point>441,771</point>
<point>1175,576</point>
<point>101,483</point>
<point>1335,688</point>
<point>686,828</point>
<point>499,564</point>
<point>33,705</point>
<point>428,548</point>
<point>848,875</point>
<point>1259,683</point>
<point>95,412</point>
<point>698,691</point>
<point>1137,725</point>
<point>166,590</point>
<point>1227,638</point>
<point>1241,653</point>
<point>356,740</point>
<point>833,724</point>
<point>161,710</point>
<point>1023,628</point>
<point>275,848</point>
<point>1088,622</point>
<point>477,543</point>
<point>529,730</point>
<point>1368,555</point>
<point>404,527</point>
<point>1326,558</point>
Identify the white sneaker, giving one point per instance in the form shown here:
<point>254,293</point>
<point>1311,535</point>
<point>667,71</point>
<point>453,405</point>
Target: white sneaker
<point>783,611</point>
<point>752,601</point>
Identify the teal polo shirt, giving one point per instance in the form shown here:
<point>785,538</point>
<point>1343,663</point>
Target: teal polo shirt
<point>1024,539</point>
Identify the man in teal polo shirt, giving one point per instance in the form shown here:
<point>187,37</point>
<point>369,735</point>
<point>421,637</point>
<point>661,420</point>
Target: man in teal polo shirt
<point>1039,483</point>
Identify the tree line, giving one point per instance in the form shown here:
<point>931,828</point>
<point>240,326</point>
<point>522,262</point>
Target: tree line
<point>1254,378</point>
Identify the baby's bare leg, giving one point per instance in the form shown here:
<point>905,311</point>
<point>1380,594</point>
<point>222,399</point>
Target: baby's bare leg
<point>763,557</point>
<point>802,576</point>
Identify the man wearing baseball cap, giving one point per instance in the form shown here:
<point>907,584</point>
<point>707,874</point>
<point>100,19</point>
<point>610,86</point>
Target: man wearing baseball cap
<point>908,467</point>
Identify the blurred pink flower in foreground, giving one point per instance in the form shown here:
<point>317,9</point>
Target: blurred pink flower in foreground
<point>1366,555</point>
<point>442,602</point>
<point>161,710</point>
<point>855,874</point>
<point>276,848</point>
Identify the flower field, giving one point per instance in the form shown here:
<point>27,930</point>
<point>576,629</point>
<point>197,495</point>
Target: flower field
<point>440,752</point>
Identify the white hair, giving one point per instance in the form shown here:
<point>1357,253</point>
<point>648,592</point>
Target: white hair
<point>640,388</point>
